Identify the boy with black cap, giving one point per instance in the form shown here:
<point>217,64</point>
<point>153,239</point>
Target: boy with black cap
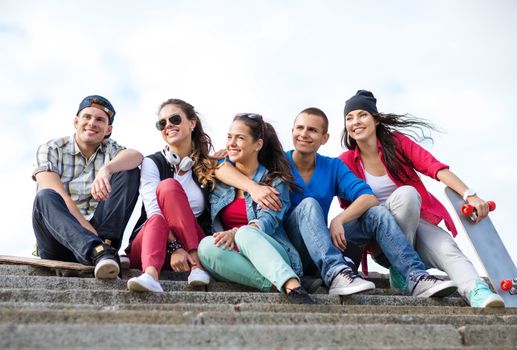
<point>87,189</point>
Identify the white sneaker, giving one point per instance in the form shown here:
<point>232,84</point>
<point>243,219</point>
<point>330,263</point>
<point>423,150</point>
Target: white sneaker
<point>106,269</point>
<point>430,286</point>
<point>144,283</point>
<point>198,277</point>
<point>347,282</point>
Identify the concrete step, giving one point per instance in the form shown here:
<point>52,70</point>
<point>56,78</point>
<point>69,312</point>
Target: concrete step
<point>50,316</point>
<point>275,308</point>
<point>67,283</point>
<point>255,336</point>
<point>111,297</point>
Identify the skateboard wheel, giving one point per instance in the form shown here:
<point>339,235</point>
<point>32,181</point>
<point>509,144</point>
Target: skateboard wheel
<point>467,209</point>
<point>491,205</point>
<point>506,285</point>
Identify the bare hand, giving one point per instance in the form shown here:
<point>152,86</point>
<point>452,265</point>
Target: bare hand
<point>337,234</point>
<point>101,187</point>
<point>220,154</point>
<point>480,205</point>
<point>266,197</point>
<point>181,261</point>
<point>226,239</point>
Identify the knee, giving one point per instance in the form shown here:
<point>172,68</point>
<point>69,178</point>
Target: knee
<point>169,187</point>
<point>309,204</point>
<point>129,177</point>
<point>247,234</point>
<point>207,247</point>
<point>408,195</point>
<point>46,196</point>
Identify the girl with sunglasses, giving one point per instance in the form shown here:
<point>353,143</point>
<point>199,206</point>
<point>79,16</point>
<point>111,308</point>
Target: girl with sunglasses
<point>388,160</point>
<point>244,247</point>
<point>174,187</point>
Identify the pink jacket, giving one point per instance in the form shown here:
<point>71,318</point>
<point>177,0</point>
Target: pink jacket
<point>432,210</point>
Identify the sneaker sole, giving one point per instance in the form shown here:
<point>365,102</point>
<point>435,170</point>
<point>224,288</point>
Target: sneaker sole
<point>494,302</point>
<point>198,283</point>
<point>134,286</point>
<point>347,290</point>
<point>106,269</point>
<point>444,289</point>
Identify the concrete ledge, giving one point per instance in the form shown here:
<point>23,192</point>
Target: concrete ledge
<point>358,336</point>
<point>229,317</point>
<point>490,336</point>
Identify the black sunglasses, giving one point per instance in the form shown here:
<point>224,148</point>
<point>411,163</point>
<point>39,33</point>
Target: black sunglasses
<point>174,119</point>
<point>249,115</point>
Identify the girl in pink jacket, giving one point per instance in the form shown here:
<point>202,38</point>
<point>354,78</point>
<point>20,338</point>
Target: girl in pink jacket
<point>388,161</point>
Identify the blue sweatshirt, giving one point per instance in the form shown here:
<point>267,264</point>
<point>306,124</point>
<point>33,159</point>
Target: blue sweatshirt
<point>331,178</point>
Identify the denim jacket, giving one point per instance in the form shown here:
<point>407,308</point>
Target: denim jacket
<point>268,221</point>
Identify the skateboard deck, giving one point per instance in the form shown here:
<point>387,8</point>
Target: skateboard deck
<point>490,249</point>
<point>61,268</point>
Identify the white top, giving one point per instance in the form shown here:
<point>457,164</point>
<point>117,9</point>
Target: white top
<point>149,180</point>
<point>382,186</point>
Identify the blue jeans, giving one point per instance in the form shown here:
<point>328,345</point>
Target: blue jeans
<point>61,237</point>
<point>307,229</point>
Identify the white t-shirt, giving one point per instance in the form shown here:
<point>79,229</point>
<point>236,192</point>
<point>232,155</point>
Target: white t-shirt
<point>382,186</point>
<point>149,180</point>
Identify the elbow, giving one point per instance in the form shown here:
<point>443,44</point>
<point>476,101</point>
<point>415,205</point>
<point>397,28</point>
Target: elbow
<point>371,200</point>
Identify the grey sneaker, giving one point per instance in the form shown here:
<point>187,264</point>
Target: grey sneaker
<point>347,282</point>
<point>430,286</point>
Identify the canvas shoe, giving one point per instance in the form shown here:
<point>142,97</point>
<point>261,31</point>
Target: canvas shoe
<point>144,283</point>
<point>397,281</point>
<point>347,282</point>
<point>198,277</point>
<point>106,262</point>
<point>300,296</point>
<point>430,286</point>
<point>482,296</point>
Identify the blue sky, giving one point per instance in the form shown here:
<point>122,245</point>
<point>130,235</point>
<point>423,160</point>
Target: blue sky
<point>452,62</point>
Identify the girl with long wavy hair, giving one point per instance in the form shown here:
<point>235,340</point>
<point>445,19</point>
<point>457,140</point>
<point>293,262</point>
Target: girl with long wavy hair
<point>174,186</point>
<point>243,248</point>
<point>382,151</point>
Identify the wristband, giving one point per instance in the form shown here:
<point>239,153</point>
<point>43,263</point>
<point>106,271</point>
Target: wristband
<point>173,246</point>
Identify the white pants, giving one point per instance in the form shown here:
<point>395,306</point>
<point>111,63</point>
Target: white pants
<point>436,247</point>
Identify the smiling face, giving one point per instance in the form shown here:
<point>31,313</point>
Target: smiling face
<point>240,145</point>
<point>176,135</point>
<point>92,125</point>
<point>308,133</point>
<point>361,125</point>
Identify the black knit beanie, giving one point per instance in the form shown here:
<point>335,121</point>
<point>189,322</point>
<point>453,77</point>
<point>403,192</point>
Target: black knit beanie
<point>364,100</point>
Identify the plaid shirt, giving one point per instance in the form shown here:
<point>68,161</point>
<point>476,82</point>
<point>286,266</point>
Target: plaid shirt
<point>63,157</point>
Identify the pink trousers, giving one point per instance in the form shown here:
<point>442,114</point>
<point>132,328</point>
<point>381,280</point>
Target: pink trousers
<point>149,248</point>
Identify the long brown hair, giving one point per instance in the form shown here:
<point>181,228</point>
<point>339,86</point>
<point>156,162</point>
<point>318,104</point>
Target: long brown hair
<point>271,155</point>
<point>416,128</point>
<point>201,144</point>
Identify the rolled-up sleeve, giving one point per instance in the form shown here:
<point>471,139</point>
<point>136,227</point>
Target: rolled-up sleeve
<point>423,161</point>
<point>46,160</point>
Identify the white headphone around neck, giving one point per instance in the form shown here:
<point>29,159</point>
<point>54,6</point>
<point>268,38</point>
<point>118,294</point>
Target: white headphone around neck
<point>174,160</point>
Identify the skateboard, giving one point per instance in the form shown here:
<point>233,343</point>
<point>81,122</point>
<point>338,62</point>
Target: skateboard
<point>61,268</point>
<point>490,249</point>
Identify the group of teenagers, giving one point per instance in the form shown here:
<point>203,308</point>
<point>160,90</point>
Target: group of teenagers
<point>253,214</point>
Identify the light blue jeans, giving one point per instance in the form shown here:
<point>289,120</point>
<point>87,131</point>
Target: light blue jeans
<point>307,229</point>
<point>261,262</point>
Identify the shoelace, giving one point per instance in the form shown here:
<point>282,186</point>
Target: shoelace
<point>349,275</point>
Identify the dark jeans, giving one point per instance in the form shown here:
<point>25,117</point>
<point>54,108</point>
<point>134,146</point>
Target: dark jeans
<point>59,234</point>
